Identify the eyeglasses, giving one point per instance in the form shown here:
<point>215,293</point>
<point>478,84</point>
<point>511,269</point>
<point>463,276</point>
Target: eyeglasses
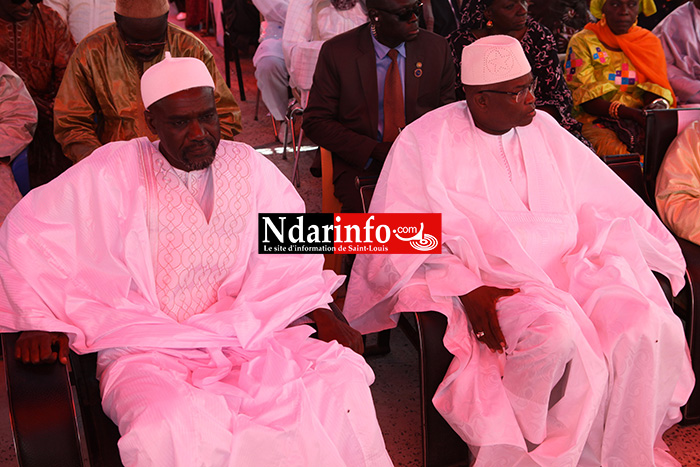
<point>144,45</point>
<point>405,14</point>
<point>521,95</point>
<point>19,2</point>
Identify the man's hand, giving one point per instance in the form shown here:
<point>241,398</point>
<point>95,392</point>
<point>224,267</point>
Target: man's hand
<point>331,328</point>
<point>480,305</point>
<point>42,347</point>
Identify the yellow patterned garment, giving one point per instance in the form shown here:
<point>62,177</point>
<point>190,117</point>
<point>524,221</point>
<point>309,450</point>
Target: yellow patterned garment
<point>100,98</point>
<point>592,70</point>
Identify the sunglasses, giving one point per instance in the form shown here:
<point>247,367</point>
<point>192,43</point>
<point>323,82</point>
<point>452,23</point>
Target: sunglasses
<point>19,2</point>
<point>521,95</point>
<point>405,14</point>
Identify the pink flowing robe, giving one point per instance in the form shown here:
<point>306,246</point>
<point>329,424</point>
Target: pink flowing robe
<point>232,383</point>
<point>584,249</point>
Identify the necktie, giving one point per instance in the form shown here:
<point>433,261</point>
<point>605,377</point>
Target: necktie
<point>394,117</point>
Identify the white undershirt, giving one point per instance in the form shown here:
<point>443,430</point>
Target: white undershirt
<point>200,184</point>
<point>507,150</point>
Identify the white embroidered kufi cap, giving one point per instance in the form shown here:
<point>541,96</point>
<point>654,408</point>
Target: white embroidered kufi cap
<point>493,59</point>
<point>172,75</point>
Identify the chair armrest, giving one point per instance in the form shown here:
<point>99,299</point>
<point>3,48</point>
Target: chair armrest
<point>621,158</point>
<point>369,180</point>
<point>665,284</point>
<point>366,186</point>
<point>691,253</point>
<point>41,410</point>
<point>338,314</point>
<point>629,168</point>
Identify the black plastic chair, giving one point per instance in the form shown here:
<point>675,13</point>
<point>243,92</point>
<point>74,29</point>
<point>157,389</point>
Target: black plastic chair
<point>44,416</point>
<point>442,446</point>
<point>366,186</point>
<point>231,54</point>
<point>44,412</point>
<point>662,126</point>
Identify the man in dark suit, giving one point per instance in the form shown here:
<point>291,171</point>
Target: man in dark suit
<point>348,106</point>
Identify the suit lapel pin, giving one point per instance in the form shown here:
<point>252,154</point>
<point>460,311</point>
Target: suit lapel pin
<point>418,72</point>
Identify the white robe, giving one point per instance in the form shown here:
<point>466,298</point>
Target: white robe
<point>231,383</point>
<point>679,33</point>
<point>309,23</point>
<point>581,253</point>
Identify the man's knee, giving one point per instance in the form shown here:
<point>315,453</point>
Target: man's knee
<point>160,413</point>
<point>553,334</point>
<point>271,68</point>
<point>148,437</point>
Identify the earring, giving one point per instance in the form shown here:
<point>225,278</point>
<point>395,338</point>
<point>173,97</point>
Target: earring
<point>489,24</point>
<point>603,22</point>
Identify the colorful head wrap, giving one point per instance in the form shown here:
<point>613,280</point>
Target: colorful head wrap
<point>646,7</point>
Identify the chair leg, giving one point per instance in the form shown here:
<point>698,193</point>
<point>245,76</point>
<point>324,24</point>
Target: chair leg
<point>227,61</point>
<point>381,346</point>
<point>239,73</point>
<point>297,153</point>
<point>257,105</point>
<point>289,127</point>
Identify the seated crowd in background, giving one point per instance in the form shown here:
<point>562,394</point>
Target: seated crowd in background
<point>92,111</point>
<point>98,100</point>
<point>358,88</point>
<point>36,44</point>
